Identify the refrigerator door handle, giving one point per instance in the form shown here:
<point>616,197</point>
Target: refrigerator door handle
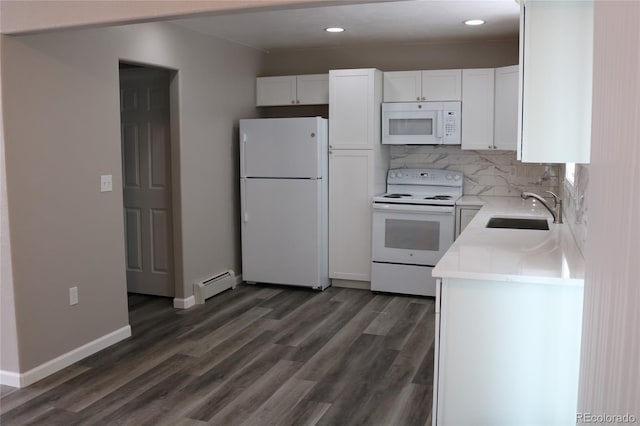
<point>243,201</point>
<point>243,154</point>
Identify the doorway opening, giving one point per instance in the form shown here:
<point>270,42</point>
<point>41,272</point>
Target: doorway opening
<point>148,124</point>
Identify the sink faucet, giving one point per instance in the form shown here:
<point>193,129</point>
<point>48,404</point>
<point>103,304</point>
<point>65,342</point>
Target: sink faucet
<point>556,210</point>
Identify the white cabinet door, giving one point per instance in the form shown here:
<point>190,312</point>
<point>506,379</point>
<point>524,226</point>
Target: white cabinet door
<point>272,91</point>
<point>477,108</point>
<point>350,190</point>
<point>442,85</point>
<point>354,108</point>
<point>556,55</point>
<point>402,86</point>
<point>313,89</point>
<point>506,108</point>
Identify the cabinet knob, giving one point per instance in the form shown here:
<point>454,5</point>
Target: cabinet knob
<point>418,98</point>
<point>293,102</point>
<point>490,147</point>
<point>297,101</point>
<point>423,98</point>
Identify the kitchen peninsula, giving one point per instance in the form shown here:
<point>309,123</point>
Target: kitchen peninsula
<point>508,322</point>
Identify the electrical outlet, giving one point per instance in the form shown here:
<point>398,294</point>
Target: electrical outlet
<point>73,296</point>
<point>106,183</point>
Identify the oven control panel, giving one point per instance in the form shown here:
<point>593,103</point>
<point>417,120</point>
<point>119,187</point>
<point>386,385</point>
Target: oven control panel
<point>424,177</point>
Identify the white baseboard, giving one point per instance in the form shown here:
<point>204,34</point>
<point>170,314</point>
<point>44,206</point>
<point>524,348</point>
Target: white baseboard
<point>238,279</point>
<point>48,368</point>
<point>185,303</point>
<point>9,378</point>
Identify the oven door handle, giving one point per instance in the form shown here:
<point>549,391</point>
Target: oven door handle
<point>409,208</point>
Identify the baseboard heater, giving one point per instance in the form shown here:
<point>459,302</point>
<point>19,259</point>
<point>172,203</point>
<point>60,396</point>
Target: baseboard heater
<point>211,286</point>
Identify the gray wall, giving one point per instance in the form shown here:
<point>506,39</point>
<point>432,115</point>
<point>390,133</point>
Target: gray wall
<point>61,106</point>
<point>483,54</point>
<point>9,342</point>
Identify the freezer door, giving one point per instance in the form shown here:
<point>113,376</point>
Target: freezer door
<point>283,147</point>
<point>282,232</point>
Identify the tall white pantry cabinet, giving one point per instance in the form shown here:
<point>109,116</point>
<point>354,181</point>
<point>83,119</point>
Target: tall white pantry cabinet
<point>357,170</point>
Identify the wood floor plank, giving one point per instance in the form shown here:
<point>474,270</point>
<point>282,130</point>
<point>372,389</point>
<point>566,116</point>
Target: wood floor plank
<point>228,390</point>
<point>332,350</point>
<point>26,413</point>
<point>254,396</point>
<point>228,330</point>
<point>131,390</point>
<point>235,361</point>
<point>135,411</point>
<point>290,301</point>
<point>91,386</point>
<point>398,335</point>
<point>257,355</point>
<point>366,359</point>
<point>388,317</point>
<point>226,348</point>
<point>298,328</point>
<point>277,409</point>
<point>22,396</point>
<point>415,408</point>
<point>307,413</point>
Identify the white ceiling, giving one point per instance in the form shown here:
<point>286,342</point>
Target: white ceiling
<point>382,22</point>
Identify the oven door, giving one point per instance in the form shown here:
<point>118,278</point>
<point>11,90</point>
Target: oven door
<point>411,234</point>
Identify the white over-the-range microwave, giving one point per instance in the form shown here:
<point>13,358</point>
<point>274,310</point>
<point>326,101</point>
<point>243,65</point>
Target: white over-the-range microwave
<point>421,123</point>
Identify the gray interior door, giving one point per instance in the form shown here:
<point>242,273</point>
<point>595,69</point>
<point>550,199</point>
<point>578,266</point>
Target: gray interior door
<point>146,168</point>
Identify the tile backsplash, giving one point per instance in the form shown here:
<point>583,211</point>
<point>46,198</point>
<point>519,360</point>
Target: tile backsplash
<point>485,172</point>
<point>575,205</point>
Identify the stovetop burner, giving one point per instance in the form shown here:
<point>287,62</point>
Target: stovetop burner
<point>397,195</point>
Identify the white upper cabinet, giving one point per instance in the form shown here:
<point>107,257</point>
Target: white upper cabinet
<point>435,85</point>
<point>312,89</point>
<point>556,54</point>
<point>477,108</point>
<point>402,86</point>
<point>505,129</point>
<point>490,108</point>
<point>276,90</point>
<point>442,85</point>
<point>354,108</point>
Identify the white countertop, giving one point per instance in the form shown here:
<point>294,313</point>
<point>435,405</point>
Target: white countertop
<point>519,255</point>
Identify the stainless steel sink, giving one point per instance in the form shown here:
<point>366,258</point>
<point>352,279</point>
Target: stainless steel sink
<point>518,223</point>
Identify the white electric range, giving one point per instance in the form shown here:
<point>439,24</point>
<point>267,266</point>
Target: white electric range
<point>413,226</point>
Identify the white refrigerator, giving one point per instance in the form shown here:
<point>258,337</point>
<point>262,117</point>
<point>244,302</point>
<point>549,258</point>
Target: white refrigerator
<point>284,201</point>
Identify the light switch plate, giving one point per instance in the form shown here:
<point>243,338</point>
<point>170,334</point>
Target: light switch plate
<point>106,183</point>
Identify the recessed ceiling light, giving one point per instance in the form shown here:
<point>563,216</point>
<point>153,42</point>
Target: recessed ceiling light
<point>334,30</point>
<point>474,22</point>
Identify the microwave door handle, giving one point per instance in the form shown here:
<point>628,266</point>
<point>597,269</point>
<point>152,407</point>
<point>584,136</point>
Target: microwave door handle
<point>439,118</point>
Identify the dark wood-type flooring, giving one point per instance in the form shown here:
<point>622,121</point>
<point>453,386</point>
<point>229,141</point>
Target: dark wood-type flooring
<point>255,355</point>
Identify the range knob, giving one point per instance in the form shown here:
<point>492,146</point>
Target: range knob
<point>457,177</point>
<point>392,175</point>
<point>449,177</point>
